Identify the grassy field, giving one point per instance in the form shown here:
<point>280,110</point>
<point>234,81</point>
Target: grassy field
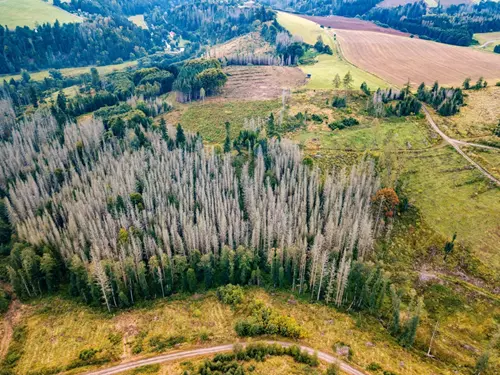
<point>139,21</point>
<point>323,72</point>
<point>105,69</point>
<point>31,12</point>
<point>482,38</point>
<point>209,118</point>
<point>490,159</point>
<point>453,197</point>
<point>58,330</point>
<point>403,134</point>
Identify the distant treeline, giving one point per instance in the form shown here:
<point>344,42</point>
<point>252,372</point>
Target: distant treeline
<point>107,36</point>
<point>453,25</point>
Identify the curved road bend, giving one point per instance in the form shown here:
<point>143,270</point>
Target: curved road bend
<point>348,369</point>
<point>455,144</point>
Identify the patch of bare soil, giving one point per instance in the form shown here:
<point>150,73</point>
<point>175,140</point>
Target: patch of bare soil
<point>10,319</point>
<point>345,23</point>
<point>260,82</point>
<point>127,326</point>
<point>251,43</point>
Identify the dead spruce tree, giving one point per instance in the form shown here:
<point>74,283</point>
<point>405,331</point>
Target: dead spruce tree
<point>131,223</point>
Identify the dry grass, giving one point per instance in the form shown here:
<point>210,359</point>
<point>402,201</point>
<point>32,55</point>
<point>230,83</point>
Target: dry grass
<point>58,330</point>
<point>399,59</point>
<point>489,159</point>
<point>249,43</point>
<point>260,82</point>
<point>477,119</point>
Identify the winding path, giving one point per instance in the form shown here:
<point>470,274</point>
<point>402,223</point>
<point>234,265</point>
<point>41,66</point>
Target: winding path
<point>455,144</point>
<point>346,368</point>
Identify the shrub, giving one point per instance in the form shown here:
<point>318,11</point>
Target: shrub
<point>230,294</point>
<point>266,321</point>
<point>388,200</point>
<point>160,343</point>
<point>339,102</point>
<point>374,367</point>
<point>87,354</point>
<point>344,123</point>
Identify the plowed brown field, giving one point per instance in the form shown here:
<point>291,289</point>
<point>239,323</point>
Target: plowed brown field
<point>398,59</point>
<point>345,23</point>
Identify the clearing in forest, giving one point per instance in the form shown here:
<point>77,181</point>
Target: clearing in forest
<point>260,82</point>
<point>15,13</point>
<point>138,20</point>
<point>251,43</point>
<point>398,59</point>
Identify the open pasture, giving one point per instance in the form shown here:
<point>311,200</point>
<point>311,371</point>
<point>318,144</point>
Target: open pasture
<point>399,59</point>
<point>345,23</point>
<point>15,13</point>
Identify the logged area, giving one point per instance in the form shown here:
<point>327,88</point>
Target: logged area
<point>399,59</point>
<point>344,23</point>
<point>260,82</point>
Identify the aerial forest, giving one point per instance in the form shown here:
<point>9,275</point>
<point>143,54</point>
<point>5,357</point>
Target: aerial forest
<point>153,213</point>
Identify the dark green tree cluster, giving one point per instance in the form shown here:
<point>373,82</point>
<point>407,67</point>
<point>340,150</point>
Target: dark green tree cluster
<point>67,45</point>
<point>321,47</point>
<point>496,49</point>
<point>447,101</point>
<point>480,84</point>
<point>344,123</point>
<point>454,25</point>
<point>197,74</point>
<point>232,363</point>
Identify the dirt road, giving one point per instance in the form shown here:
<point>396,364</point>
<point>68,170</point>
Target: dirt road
<point>456,145</point>
<point>348,369</point>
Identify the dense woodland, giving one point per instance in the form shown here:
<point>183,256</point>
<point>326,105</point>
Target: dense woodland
<point>107,37</point>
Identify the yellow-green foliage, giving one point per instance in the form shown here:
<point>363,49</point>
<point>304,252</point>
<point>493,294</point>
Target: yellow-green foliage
<point>264,320</point>
<point>59,330</point>
<point>209,118</point>
<point>31,12</point>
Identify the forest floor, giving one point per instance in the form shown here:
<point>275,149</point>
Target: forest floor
<point>59,329</point>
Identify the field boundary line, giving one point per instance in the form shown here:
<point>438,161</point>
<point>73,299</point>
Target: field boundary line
<point>343,56</point>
